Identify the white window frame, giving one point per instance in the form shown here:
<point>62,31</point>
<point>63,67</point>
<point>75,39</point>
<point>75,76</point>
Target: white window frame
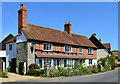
<point>79,50</point>
<point>68,46</point>
<point>90,50</point>
<point>47,50</point>
<point>90,61</point>
<point>70,62</point>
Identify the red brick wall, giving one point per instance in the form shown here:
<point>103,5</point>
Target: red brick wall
<point>75,50</point>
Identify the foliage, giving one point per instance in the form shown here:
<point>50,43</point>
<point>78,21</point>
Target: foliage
<point>4,74</point>
<point>43,75</point>
<point>8,69</point>
<point>23,69</point>
<point>33,72</point>
<point>76,64</point>
<point>103,61</point>
<point>61,71</point>
<point>95,70</point>
<point>52,73</point>
<point>68,71</point>
<point>35,66</point>
<point>111,60</point>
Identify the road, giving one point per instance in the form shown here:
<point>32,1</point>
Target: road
<point>110,76</point>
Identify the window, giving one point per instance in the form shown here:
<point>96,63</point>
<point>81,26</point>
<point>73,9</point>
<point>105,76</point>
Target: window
<point>10,47</point>
<point>70,62</point>
<point>83,61</point>
<point>47,61</point>
<point>90,61</point>
<point>68,48</point>
<point>80,50</point>
<point>90,51</point>
<point>31,49</point>
<point>47,46</point>
<point>64,62</point>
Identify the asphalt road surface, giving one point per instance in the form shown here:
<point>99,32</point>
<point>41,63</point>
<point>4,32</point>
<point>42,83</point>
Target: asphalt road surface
<point>110,76</point>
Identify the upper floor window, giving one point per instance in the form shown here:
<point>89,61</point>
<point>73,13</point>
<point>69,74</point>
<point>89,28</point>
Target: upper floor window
<point>10,47</point>
<point>68,49</point>
<point>80,50</point>
<point>90,51</point>
<point>47,46</point>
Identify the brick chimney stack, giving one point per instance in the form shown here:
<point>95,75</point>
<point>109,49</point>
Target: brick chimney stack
<point>67,28</point>
<point>22,18</point>
<point>100,39</point>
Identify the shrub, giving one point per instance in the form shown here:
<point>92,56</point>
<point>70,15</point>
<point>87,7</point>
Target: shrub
<point>4,74</point>
<point>67,73</point>
<point>61,71</point>
<point>43,75</point>
<point>8,68</point>
<point>35,66</point>
<point>76,72</point>
<point>52,73</point>
<point>95,70</point>
<point>23,70</point>
<point>33,72</point>
<point>76,64</point>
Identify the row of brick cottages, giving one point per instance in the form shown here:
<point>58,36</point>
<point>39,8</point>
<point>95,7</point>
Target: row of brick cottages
<point>39,45</point>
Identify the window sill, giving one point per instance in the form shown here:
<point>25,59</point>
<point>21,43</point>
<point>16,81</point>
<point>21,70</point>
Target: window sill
<point>90,54</point>
<point>47,50</point>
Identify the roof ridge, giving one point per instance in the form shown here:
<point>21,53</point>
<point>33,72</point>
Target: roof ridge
<point>45,27</point>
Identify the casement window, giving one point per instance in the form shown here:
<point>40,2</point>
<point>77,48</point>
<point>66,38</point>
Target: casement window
<point>68,49</point>
<point>80,50</point>
<point>10,47</point>
<point>83,61</point>
<point>90,51</point>
<point>90,61</point>
<point>31,49</point>
<point>47,61</point>
<point>47,46</point>
<point>70,62</point>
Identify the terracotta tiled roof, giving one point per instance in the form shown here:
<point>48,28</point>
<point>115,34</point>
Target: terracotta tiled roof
<point>107,45</point>
<point>60,56</point>
<point>115,52</point>
<point>12,39</point>
<point>34,32</point>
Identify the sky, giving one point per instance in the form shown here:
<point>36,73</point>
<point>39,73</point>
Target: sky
<point>86,18</point>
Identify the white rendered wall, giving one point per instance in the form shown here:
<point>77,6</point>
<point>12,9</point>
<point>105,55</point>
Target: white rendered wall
<point>10,53</point>
<point>102,53</point>
<point>2,53</point>
<point>21,38</point>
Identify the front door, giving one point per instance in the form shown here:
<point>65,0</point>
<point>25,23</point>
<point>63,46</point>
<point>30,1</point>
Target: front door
<point>13,66</point>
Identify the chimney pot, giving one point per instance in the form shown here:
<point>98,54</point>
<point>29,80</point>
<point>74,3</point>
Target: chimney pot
<point>69,22</point>
<point>65,22</point>
<point>100,39</point>
<point>22,6</point>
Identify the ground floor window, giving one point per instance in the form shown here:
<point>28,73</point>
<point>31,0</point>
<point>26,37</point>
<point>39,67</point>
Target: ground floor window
<point>65,62</point>
<point>70,62</point>
<point>90,61</point>
<point>47,61</point>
